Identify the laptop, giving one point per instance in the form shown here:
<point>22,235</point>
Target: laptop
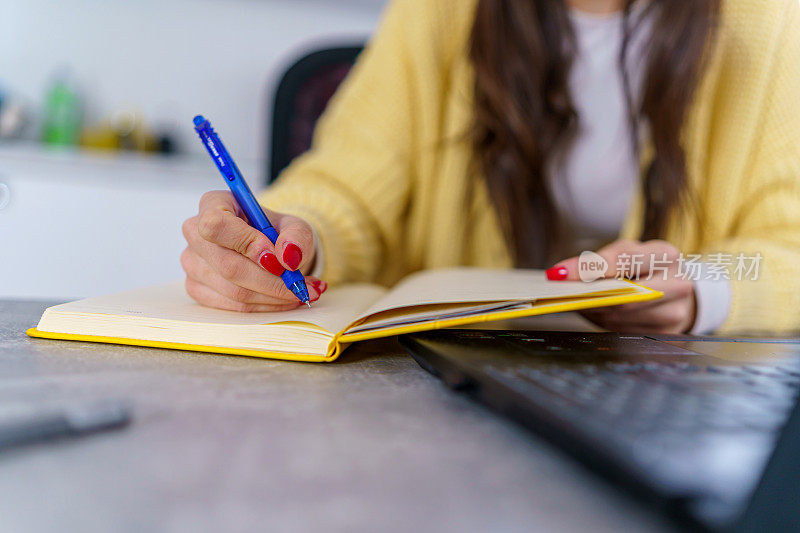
<point>705,429</point>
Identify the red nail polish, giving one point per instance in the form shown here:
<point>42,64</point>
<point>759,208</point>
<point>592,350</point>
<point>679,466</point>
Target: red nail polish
<point>292,255</point>
<point>556,273</point>
<point>319,285</point>
<point>271,263</point>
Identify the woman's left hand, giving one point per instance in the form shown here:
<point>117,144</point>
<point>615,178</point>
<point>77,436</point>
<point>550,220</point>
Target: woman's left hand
<point>656,265</point>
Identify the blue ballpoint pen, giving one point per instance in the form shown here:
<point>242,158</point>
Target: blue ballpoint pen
<point>293,279</point>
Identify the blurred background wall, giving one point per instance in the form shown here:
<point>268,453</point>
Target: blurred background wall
<point>79,221</point>
<point>157,56</point>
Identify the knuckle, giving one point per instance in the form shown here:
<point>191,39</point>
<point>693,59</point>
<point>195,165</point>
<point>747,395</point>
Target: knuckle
<point>243,307</point>
<point>209,197</point>
<point>211,225</point>
<point>188,227</point>
<point>685,289</point>
<point>185,260</point>
<point>229,267</point>
<point>244,243</point>
<point>674,316</point>
<point>192,290</point>
<point>238,293</point>
<point>304,232</point>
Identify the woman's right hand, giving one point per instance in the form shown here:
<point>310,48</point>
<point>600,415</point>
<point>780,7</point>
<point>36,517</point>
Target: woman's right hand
<point>230,265</point>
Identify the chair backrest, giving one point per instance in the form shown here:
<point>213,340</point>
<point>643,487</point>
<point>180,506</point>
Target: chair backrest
<point>302,95</point>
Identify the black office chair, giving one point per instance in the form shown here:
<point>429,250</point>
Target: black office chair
<point>301,97</point>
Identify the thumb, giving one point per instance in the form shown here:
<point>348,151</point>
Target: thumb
<point>566,270</point>
<point>604,263</point>
<point>595,265</point>
<point>295,245</point>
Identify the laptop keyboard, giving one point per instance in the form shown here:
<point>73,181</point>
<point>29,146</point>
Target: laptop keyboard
<point>661,397</point>
<point>644,398</point>
<point>682,414</point>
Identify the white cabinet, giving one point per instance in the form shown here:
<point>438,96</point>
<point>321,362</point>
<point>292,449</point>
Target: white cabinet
<point>74,225</point>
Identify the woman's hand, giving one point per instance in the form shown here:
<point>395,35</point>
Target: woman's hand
<point>230,265</point>
<point>656,265</point>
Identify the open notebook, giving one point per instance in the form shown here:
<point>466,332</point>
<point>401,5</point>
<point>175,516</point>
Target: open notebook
<point>166,317</point>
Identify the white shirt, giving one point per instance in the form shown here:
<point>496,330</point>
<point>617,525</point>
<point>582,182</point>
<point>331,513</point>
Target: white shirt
<point>595,185</point>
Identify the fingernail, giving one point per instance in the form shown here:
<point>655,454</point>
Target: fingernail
<point>556,273</point>
<point>319,285</point>
<point>271,263</point>
<point>316,292</point>
<point>292,255</point>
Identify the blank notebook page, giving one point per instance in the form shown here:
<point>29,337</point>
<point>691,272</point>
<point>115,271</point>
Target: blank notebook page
<point>462,285</point>
<point>333,312</point>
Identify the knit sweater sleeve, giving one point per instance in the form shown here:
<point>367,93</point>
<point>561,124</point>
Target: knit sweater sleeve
<point>768,225</point>
<point>353,185</point>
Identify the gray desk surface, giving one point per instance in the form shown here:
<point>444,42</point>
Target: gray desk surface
<point>370,443</point>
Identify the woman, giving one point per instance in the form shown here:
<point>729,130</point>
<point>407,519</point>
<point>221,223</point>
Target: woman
<point>503,133</point>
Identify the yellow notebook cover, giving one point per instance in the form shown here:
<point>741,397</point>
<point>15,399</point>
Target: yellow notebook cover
<point>164,317</point>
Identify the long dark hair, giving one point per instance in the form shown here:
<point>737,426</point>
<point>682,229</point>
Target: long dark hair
<point>522,52</point>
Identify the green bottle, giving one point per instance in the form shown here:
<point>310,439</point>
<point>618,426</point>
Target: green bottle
<point>62,115</point>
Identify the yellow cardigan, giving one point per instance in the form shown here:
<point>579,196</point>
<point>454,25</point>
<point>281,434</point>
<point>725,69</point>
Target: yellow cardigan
<point>386,183</point>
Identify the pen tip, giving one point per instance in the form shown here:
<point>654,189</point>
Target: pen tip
<point>308,304</point>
